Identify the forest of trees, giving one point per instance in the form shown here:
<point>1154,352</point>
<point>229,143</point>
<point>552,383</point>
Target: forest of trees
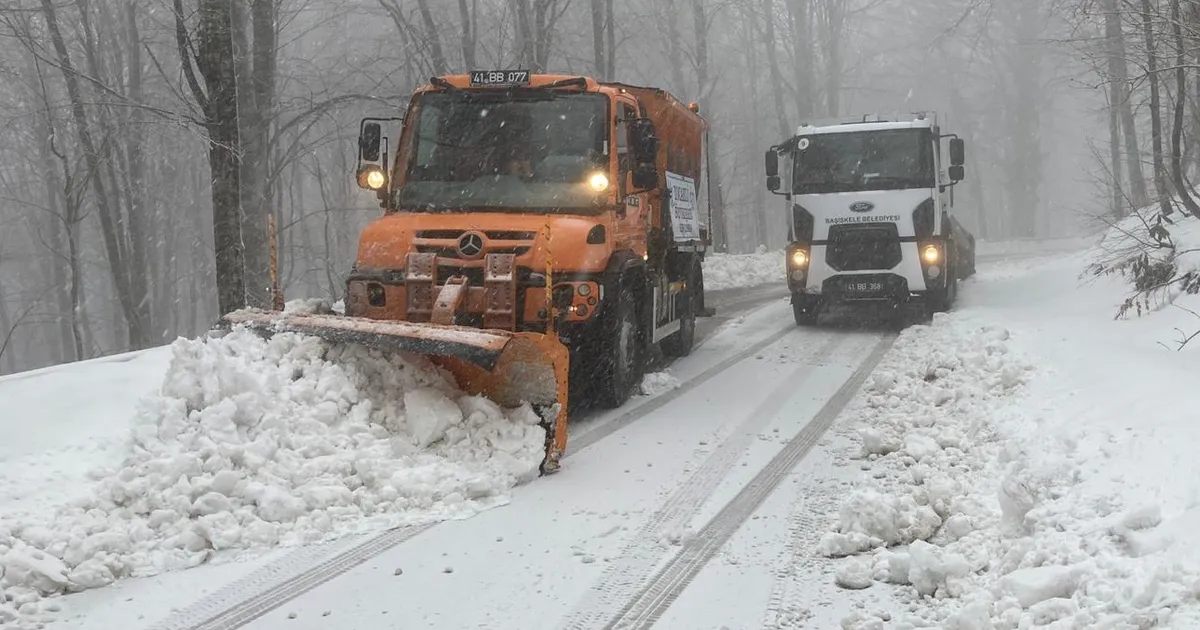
<point>138,134</point>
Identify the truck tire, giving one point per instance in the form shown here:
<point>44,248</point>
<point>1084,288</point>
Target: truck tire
<point>681,343</point>
<point>619,363</point>
<point>804,314</point>
<point>943,299</point>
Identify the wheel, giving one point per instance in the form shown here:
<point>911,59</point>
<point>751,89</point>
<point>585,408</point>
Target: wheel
<point>619,368</point>
<point>805,312</point>
<point>681,343</point>
<point>942,299</point>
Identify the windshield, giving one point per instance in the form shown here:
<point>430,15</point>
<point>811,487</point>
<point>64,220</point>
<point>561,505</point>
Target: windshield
<point>523,151</point>
<point>864,160</point>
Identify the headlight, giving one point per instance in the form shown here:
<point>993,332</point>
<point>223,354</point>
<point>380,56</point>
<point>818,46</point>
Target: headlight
<point>931,254</point>
<point>372,177</point>
<point>598,181</point>
<point>799,258</point>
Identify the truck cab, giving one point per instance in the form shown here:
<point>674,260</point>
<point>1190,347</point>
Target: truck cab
<point>541,203</point>
<point>870,207</point>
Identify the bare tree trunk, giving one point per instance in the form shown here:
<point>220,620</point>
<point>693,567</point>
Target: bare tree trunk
<point>468,35</point>
<point>256,98</point>
<point>674,49</point>
<point>435,42</point>
<point>1160,184</point>
<point>218,100</point>
<point>835,26</point>
<point>758,210</point>
<point>720,232</point>
<point>64,220</point>
<point>525,44</point>
<point>598,42</point>
<point>1119,74</point>
<point>8,360</point>
<point>610,25</point>
<point>134,140</point>
<point>131,310</point>
<point>1114,154</point>
<point>802,57</point>
<point>773,65</point>
<point>1181,187</point>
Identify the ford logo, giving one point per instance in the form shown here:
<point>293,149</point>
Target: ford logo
<point>862,206</point>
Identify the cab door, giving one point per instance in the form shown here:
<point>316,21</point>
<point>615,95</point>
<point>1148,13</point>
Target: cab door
<point>632,216</point>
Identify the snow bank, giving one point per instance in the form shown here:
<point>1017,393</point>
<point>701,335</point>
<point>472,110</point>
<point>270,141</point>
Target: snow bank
<point>926,442</point>
<point>254,443</point>
<point>730,271</point>
<point>1159,259</point>
<point>996,494</point>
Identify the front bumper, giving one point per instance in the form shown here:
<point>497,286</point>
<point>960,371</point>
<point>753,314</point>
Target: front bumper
<point>491,293</point>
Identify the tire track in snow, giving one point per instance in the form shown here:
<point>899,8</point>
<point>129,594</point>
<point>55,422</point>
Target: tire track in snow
<point>230,607</point>
<point>660,401</point>
<point>286,578</point>
<point>661,591</point>
<point>810,516</point>
<point>638,558</point>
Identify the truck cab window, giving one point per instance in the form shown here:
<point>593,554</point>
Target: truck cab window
<point>522,152</point>
<point>860,161</point>
<point>626,113</point>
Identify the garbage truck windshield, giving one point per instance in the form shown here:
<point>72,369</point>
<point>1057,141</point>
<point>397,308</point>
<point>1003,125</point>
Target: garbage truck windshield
<point>864,160</point>
<point>525,151</point>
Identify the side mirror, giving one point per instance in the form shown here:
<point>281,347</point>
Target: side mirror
<point>956,173</point>
<point>643,148</point>
<point>645,176</point>
<point>771,160</point>
<point>643,142</point>
<point>369,139</point>
<point>957,152</point>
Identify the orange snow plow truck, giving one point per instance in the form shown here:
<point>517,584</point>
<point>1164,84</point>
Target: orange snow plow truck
<point>541,238</point>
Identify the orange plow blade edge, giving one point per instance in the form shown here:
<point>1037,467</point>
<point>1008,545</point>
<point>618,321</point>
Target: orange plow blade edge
<point>510,368</point>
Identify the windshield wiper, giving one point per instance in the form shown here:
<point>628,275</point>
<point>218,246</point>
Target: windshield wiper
<point>887,179</point>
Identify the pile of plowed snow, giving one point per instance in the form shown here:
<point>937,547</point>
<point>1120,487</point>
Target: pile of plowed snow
<point>927,511</point>
<point>255,443</point>
<point>731,271</point>
<point>999,496</point>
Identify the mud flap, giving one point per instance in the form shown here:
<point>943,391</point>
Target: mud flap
<point>508,367</point>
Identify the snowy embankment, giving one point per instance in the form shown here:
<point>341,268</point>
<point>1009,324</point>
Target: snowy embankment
<point>1029,459</point>
<point>252,443</point>
<point>732,271</point>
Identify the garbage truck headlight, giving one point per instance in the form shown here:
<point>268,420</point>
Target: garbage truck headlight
<point>598,181</point>
<point>931,254</point>
<point>799,258</point>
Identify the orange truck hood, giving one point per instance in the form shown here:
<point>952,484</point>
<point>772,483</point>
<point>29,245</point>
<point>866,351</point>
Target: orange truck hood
<point>386,241</point>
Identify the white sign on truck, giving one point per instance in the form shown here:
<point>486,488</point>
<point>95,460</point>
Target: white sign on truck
<point>685,223</point>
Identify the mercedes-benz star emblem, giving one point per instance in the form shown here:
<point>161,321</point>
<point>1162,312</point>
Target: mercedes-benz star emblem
<point>470,244</point>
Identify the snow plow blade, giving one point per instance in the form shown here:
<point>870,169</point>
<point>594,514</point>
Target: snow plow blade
<point>508,367</point>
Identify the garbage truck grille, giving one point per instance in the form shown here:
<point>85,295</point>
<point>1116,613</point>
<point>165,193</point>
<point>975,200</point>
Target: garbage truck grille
<point>863,247</point>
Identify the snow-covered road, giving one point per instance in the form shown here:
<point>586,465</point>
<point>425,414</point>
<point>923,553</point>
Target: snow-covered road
<point>648,488</point>
<point>983,472</point>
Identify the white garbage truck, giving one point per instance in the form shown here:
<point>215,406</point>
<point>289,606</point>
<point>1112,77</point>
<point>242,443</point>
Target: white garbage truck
<point>871,221</point>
